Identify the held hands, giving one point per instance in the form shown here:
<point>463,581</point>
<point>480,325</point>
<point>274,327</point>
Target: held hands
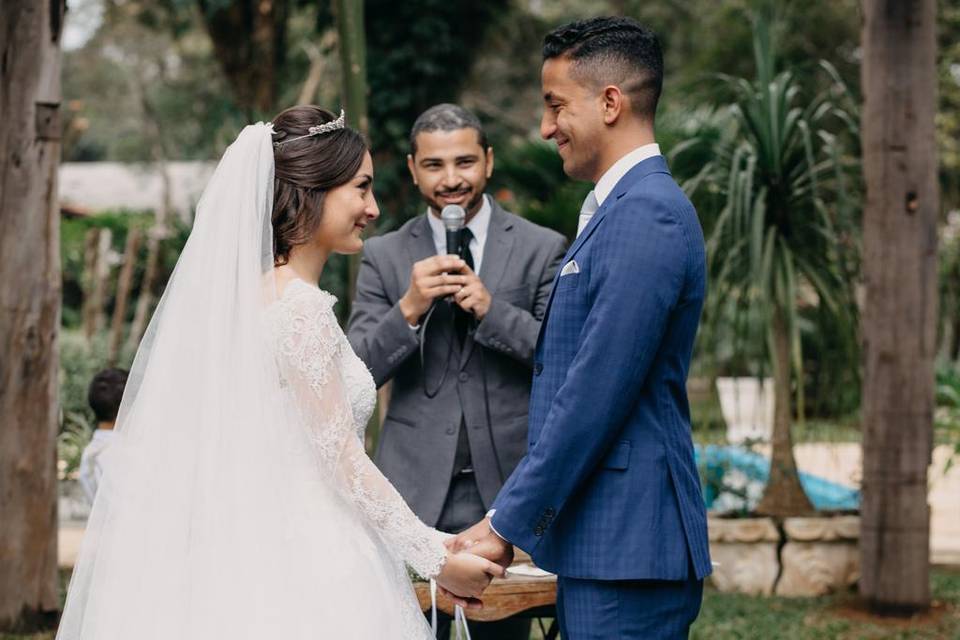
<point>482,541</point>
<point>441,276</point>
<point>479,540</point>
<point>465,576</point>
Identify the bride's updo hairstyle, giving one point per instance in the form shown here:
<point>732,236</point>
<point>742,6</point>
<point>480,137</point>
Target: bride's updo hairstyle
<point>304,170</point>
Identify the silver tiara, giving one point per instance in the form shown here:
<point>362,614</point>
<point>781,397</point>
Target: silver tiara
<point>326,127</point>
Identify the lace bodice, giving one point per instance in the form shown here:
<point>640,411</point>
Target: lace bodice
<point>335,394</point>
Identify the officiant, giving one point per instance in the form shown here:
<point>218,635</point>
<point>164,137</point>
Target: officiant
<point>455,335</point>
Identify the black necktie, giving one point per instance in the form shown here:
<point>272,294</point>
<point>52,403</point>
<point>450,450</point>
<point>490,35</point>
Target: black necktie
<point>461,318</point>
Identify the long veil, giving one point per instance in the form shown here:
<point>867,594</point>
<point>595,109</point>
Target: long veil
<point>195,532</point>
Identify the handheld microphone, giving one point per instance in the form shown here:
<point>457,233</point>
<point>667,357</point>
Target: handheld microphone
<point>453,217</point>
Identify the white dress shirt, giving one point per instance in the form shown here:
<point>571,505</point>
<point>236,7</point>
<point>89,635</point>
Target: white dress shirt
<point>479,226</point>
<point>90,466</point>
<point>612,176</point>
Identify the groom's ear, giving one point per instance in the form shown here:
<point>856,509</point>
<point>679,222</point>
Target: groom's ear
<point>614,104</point>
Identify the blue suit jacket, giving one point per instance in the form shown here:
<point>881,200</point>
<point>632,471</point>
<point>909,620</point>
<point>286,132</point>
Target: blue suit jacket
<point>609,489</point>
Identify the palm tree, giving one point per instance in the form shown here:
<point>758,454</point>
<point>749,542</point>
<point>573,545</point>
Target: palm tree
<point>782,236</point>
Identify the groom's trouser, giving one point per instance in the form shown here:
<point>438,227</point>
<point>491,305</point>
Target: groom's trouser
<point>462,509</point>
<point>627,609</point>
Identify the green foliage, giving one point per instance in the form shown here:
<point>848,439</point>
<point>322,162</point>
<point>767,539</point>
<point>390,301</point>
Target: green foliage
<point>948,114</point>
<point>147,85</point>
<point>75,434</point>
<point>784,238</point>
<point>418,54</point>
<point>530,181</point>
<point>72,245</point>
<point>947,413</point>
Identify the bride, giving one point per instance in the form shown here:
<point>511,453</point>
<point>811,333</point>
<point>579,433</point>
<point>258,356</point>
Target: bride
<point>239,502</point>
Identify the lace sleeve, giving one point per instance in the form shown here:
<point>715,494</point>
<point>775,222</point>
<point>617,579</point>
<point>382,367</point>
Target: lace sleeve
<point>310,346</point>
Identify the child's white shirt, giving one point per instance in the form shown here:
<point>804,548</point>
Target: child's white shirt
<point>90,468</point>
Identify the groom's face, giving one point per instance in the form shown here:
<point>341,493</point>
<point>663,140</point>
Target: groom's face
<point>573,118</point>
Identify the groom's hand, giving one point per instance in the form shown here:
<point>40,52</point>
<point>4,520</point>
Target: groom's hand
<point>481,540</point>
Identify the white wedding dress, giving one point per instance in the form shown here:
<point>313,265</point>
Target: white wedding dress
<point>238,502</point>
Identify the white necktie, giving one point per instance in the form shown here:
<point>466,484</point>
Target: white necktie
<point>589,207</point>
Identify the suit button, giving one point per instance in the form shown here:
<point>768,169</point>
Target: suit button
<point>464,376</point>
<point>549,512</point>
<point>451,431</point>
<point>538,531</point>
<point>537,368</point>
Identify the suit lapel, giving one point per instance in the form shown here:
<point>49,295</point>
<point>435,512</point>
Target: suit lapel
<point>496,255</point>
<point>421,244</point>
<point>656,164</point>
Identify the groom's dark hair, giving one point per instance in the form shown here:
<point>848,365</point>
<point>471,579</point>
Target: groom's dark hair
<point>613,50</point>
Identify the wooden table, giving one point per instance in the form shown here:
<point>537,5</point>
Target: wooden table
<point>513,596</point>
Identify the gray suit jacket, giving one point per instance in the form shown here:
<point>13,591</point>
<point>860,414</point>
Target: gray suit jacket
<point>419,438</point>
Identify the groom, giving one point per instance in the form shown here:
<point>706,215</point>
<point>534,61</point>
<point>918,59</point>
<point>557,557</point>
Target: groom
<point>608,495</point>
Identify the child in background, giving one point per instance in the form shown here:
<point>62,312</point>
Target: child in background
<point>104,395</point>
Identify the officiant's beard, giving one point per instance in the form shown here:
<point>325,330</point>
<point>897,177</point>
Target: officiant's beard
<point>472,206</point>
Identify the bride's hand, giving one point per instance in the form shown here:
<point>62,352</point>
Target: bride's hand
<point>466,575</point>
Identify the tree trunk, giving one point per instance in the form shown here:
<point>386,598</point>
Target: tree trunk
<point>29,310</point>
<point>784,495</point>
<point>353,72</point>
<point>899,319</point>
<point>248,40</point>
<point>353,61</point>
<point>124,284</point>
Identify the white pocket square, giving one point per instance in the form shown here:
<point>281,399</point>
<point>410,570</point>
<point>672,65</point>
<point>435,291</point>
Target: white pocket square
<point>570,267</point>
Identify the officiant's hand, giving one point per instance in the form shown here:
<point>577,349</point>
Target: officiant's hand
<point>465,576</point>
<point>481,540</point>
<point>473,297</point>
<point>434,277</point>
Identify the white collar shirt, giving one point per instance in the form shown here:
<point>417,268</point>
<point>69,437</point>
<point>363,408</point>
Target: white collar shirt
<point>612,176</point>
<point>479,226</point>
<point>91,468</point>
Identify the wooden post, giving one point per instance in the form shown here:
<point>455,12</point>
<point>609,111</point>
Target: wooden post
<point>124,284</point>
<point>900,311</point>
<point>98,261</point>
<point>146,299</point>
<point>29,310</point>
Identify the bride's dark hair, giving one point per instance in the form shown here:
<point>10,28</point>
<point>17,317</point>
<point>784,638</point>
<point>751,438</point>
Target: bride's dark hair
<point>304,170</point>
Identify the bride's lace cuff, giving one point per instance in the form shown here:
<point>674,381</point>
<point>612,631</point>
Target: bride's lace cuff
<point>311,347</point>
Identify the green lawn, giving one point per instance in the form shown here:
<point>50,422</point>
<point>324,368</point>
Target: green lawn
<point>736,617</point>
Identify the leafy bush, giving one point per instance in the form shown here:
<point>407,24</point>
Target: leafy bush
<point>529,180</point>
<point>120,223</point>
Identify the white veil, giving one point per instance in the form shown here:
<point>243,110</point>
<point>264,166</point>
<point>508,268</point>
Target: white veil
<point>184,423</point>
<point>194,532</point>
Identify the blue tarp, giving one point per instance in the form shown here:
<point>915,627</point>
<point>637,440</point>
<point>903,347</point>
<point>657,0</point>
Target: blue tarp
<point>720,460</point>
